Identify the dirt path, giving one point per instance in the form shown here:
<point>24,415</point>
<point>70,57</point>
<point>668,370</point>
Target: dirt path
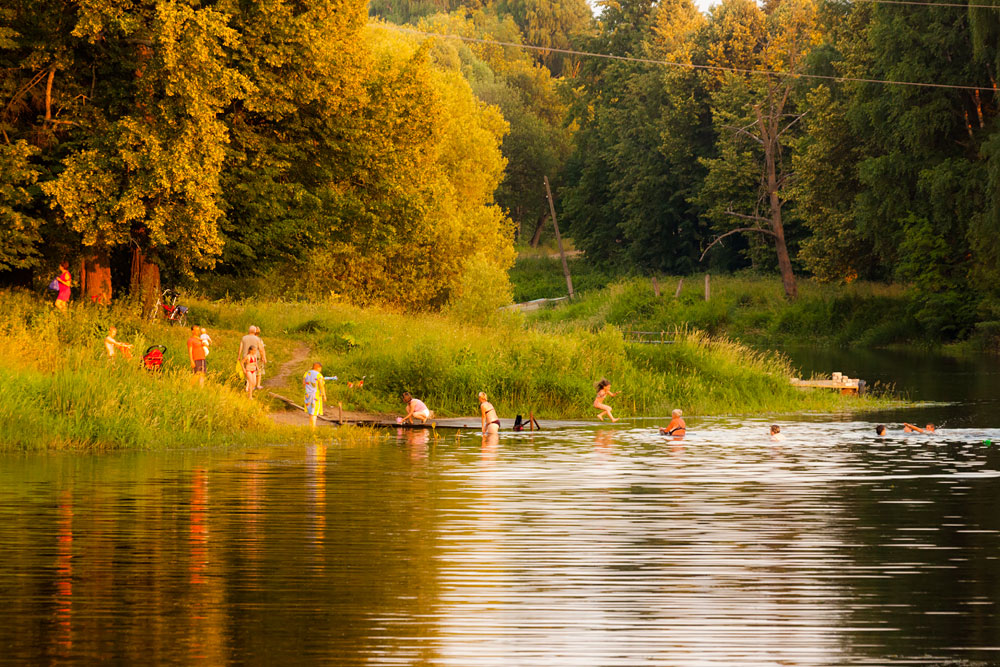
<point>299,355</point>
<point>294,366</point>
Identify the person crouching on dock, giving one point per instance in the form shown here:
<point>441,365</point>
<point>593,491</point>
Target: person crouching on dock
<point>415,409</point>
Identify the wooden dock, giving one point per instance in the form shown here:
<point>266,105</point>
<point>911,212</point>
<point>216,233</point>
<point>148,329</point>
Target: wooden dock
<point>333,414</point>
<point>839,382</point>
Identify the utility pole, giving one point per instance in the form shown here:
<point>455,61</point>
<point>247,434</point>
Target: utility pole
<point>555,223</point>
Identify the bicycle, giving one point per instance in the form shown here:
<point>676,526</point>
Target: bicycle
<point>166,305</point>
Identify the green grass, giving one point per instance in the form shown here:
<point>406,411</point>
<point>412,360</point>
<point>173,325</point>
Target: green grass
<point>522,368</point>
<point>751,309</point>
<point>539,275</point>
<point>59,391</point>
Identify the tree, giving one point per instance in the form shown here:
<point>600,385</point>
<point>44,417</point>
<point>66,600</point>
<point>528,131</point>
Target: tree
<point>19,224</point>
<point>626,199</point>
<point>759,109</point>
<point>151,178</point>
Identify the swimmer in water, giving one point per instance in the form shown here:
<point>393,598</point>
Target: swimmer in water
<point>491,423</point>
<point>776,434</point>
<point>676,427</point>
<point>880,430</point>
<point>910,428</point>
<point>604,391</point>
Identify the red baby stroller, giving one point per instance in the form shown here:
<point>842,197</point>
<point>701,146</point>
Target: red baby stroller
<point>152,360</point>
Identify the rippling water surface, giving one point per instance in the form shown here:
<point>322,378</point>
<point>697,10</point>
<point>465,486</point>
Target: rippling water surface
<point>590,546</point>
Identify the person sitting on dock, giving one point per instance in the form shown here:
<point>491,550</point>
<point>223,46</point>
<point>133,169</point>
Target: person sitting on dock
<point>910,428</point>
<point>676,427</point>
<point>604,391</point>
<point>776,434</point>
<point>415,409</point>
<point>491,422</point>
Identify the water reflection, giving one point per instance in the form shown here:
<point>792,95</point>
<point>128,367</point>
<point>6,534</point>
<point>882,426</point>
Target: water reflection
<point>588,546</point>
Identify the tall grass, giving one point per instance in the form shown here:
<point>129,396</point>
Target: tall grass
<point>749,308</point>
<point>447,362</point>
<point>58,389</point>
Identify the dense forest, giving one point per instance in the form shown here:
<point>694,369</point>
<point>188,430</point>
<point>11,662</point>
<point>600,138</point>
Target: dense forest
<point>393,151</point>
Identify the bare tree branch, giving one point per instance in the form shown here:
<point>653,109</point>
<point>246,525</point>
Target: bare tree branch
<point>734,231</point>
<point>742,130</point>
<point>746,217</point>
<point>797,119</point>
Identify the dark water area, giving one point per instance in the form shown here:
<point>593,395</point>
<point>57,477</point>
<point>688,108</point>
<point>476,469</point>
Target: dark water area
<point>589,546</point>
<point>966,387</point>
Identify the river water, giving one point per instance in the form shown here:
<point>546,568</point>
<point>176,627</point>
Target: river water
<point>588,546</point>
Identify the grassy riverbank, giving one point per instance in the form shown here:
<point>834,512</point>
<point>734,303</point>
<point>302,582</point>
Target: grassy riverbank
<point>57,389</point>
<point>751,309</point>
<point>522,367</point>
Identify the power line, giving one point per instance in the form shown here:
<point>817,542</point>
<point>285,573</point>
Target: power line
<point>667,63</point>
<point>918,3</point>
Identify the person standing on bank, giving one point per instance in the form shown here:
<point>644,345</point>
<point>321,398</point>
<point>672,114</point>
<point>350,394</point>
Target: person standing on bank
<point>196,353</point>
<point>491,422</point>
<point>63,281</point>
<point>250,368</point>
<point>315,390</point>
<point>252,339</point>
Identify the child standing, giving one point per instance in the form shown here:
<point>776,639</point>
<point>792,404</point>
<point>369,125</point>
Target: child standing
<point>250,370</point>
<point>604,391</point>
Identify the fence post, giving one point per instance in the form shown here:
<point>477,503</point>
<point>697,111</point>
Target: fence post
<point>707,289</point>
<point>656,288</point>
<point>680,284</point>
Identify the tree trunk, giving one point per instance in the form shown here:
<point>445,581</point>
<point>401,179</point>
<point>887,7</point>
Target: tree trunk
<point>95,276</point>
<point>537,236</point>
<point>145,280</point>
<point>768,131</point>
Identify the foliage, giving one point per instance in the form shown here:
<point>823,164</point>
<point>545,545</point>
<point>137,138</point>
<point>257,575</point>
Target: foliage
<point>447,360</point>
<point>59,390</point>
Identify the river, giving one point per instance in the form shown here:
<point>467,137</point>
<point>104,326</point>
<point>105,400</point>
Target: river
<point>607,545</point>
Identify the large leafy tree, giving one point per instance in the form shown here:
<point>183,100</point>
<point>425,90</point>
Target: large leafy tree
<point>626,201</point>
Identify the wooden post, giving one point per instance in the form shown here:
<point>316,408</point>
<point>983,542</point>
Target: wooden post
<point>656,288</point>
<point>680,284</point>
<point>708,293</point>
<point>555,224</point>
<point>340,412</point>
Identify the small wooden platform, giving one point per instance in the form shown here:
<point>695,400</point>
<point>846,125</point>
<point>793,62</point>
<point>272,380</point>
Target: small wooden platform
<point>845,385</point>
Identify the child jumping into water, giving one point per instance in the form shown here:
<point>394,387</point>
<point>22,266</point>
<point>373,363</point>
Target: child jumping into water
<point>604,391</point>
